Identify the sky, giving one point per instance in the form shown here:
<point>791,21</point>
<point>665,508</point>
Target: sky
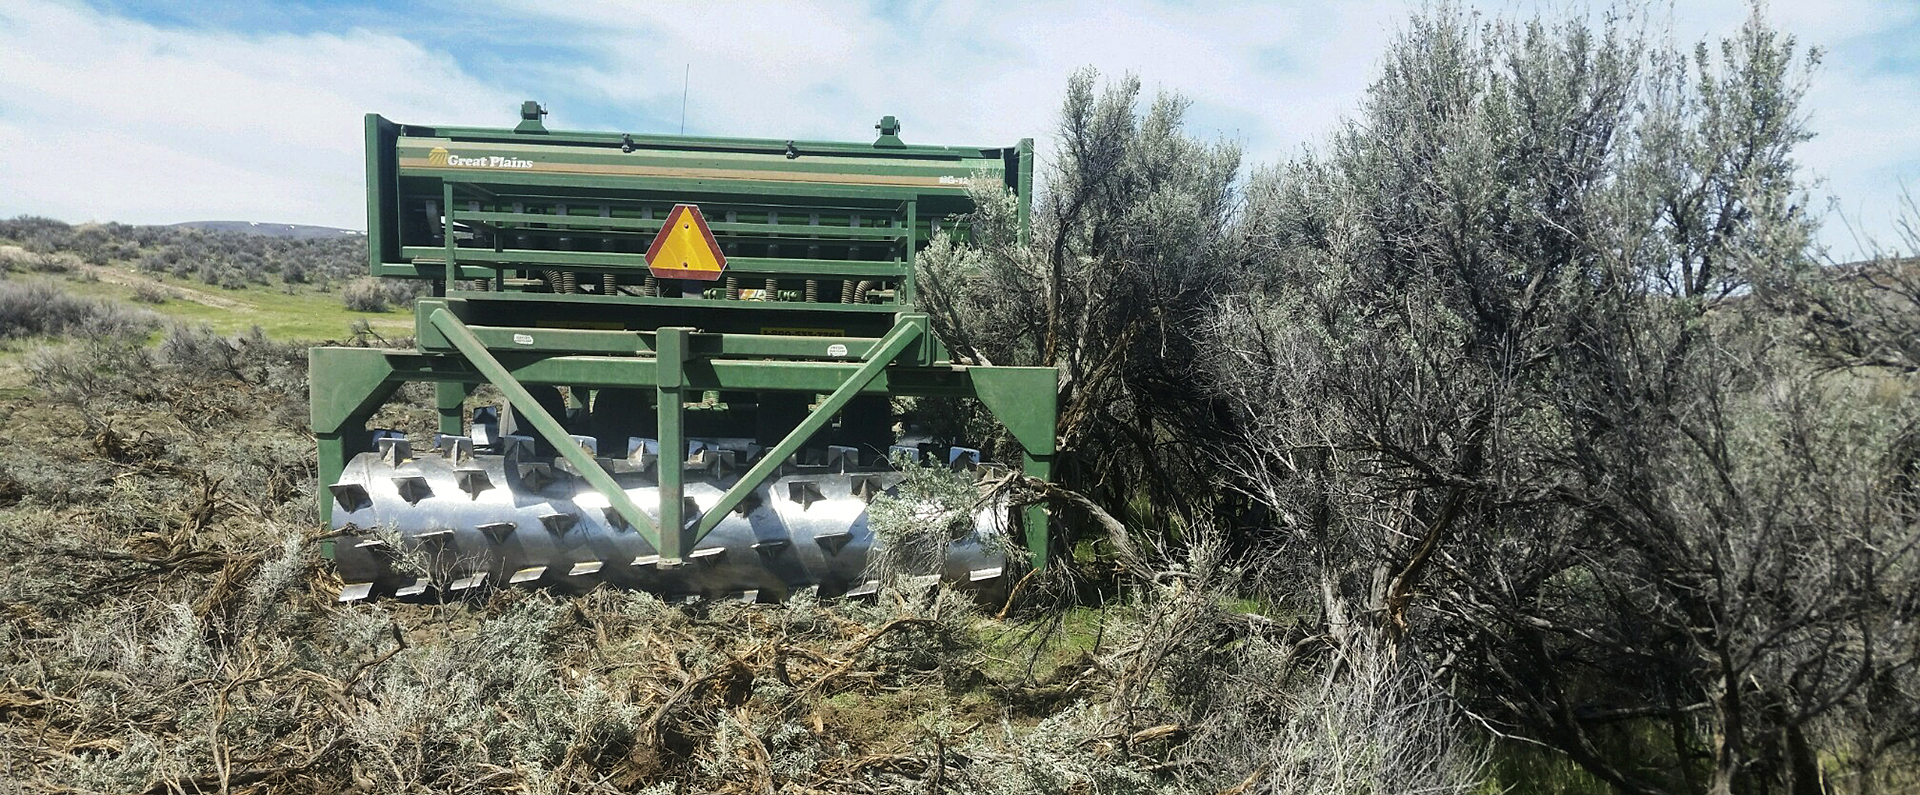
<point>152,112</point>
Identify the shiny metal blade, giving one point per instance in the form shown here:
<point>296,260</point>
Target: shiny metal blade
<point>412,488</point>
<point>834,542</point>
<point>486,427</point>
<point>472,480</point>
<point>805,492</point>
<point>394,450</point>
<point>558,522</point>
<point>496,531</point>
<point>457,449</point>
<point>515,446</point>
<point>643,452</point>
<point>588,444</point>
<point>842,459</point>
<point>351,497</point>
<point>533,477</point>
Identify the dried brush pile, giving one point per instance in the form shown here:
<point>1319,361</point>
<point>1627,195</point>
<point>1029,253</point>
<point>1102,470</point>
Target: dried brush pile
<point>167,625</point>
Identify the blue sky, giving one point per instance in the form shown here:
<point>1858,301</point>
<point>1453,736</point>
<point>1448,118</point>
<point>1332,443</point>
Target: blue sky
<point>153,112</point>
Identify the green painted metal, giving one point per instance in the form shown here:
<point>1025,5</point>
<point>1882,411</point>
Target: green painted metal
<point>690,303</point>
<point>355,385</point>
<point>877,360</point>
<point>544,423</point>
<point>449,401</point>
<point>350,383</point>
<point>518,197</point>
<point>1024,399</point>
<point>528,338</point>
<point>535,240</point>
<point>1036,518</point>
<point>601,261</point>
<point>346,389</point>
<point>550,222</point>
<point>670,378</point>
<point>630,372</point>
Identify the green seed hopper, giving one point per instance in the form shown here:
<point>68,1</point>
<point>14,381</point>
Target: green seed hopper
<point>718,437</point>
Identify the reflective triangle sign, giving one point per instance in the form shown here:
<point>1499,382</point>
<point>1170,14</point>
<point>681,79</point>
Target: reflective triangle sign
<point>685,248</point>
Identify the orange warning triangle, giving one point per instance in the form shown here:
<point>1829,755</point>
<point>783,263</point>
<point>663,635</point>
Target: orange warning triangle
<point>685,248</point>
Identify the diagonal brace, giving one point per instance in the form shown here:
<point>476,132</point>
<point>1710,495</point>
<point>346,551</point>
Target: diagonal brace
<point>550,428</point>
<point>877,359</point>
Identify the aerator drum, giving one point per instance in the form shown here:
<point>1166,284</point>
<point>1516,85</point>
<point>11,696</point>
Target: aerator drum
<point>449,520</point>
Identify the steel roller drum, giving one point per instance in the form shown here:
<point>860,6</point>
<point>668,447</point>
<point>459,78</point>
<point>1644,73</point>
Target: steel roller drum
<point>450,521</point>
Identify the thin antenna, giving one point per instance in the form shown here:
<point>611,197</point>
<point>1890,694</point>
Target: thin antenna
<point>685,80</point>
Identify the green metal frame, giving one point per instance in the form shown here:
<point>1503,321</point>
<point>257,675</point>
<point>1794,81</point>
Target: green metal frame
<point>432,214</point>
<point>350,385</point>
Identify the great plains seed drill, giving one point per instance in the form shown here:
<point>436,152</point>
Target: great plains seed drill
<point>697,340</point>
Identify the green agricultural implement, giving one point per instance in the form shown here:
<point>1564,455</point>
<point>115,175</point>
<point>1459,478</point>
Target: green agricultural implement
<point>698,341</point>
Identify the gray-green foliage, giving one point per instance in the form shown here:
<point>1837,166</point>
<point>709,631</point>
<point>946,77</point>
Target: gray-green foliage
<point>1130,239</point>
<point>225,258</point>
<point>914,523</point>
<point>41,308</point>
<point>1057,755</point>
<point>1501,380</point>
<point>437,711</point>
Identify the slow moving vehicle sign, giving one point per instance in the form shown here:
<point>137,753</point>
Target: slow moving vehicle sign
<point>685,248</point>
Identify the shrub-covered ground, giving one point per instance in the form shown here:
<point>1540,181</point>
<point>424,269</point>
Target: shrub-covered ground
<point>169,626</point>
<point>229,281</point>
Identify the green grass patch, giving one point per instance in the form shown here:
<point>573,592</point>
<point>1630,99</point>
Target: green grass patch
<point>302,313</point>
<point>1014,650</point>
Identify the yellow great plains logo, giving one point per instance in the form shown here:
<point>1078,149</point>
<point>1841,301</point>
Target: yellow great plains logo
<point>439,157</point>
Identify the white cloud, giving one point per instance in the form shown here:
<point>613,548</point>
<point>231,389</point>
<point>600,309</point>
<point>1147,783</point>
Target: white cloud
<point>956,73</point>
<point>110,119</point>
<point>1272,76</point>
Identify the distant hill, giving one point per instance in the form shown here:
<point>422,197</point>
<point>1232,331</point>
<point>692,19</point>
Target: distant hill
<point>293,231</point>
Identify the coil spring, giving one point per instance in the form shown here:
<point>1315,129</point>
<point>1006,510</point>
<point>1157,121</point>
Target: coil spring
<point>608,284</point>
<point>813,291</point>
<point>733,288</point>
<point>846,292</point>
